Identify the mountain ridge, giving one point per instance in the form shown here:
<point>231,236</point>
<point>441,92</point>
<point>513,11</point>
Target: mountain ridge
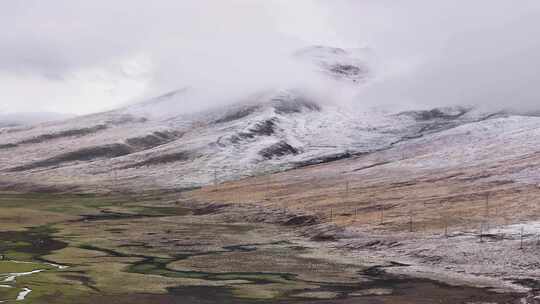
<point>156,143</point>
<point>281,131</point>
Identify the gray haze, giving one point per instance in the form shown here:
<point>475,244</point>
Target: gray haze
<point>84,56</point>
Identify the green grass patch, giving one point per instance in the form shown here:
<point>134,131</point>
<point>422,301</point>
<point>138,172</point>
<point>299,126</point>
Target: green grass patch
<point>18,267</point>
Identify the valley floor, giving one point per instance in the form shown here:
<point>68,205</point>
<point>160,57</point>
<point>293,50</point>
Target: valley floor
<point>465,225</point>
<point>169,248</point>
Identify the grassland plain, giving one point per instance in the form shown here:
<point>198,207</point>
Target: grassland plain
<point>165,248</point>
<point>467,225</point>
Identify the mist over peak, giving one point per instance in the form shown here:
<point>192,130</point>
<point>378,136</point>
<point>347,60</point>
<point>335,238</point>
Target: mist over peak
<point>420,54</point>
<point>337,63</point>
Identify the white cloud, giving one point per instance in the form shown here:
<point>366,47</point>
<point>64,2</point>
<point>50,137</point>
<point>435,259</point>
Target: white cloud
<point>82,56</point>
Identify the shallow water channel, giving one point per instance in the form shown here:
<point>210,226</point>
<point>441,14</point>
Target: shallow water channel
<point>140,254</point>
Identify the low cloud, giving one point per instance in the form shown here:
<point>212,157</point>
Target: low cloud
<point>73,56</point>
<point>434,53</point>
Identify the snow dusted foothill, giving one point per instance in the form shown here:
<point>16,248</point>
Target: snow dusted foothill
<point>500,260</point>
<point>503,148</point>
<point>440,166</point>
<point>152,145</point>
<point>155,143</point>
<point>493,244</point>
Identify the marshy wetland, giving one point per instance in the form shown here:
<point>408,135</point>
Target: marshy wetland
<point>162,249</point>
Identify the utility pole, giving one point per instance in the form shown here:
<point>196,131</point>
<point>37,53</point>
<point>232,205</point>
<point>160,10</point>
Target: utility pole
<point>444,219</point>
<point>487,210</point>
<point>268,196</point>
<point>521,239</point>
<point>346,191</point>
<point>481,233</point>
<point>410,221</point>
<point>445,228</point>
<point>114,180</point>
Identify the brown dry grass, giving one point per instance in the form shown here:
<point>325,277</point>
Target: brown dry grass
<point>394,192</point>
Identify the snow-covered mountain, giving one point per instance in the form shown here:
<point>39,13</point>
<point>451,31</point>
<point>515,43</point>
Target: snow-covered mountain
<point>275,131</point>
<point>153,144</point>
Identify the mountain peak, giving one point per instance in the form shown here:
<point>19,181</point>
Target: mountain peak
<point>338,63</point>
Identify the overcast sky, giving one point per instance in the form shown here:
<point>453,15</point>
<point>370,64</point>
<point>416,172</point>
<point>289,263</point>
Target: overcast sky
<point>85,56</point>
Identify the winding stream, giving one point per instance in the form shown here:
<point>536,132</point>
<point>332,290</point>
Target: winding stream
<point>9,280</point>
<point>199,260</point>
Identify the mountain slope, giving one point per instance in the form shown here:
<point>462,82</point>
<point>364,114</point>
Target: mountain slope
<point>138,146</point>
<point>156,144</point>
<point>459,204</point>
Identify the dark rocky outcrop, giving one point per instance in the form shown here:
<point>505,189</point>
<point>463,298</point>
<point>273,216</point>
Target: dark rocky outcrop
<point>209,209</point>
<point>325,159</point>
<point>433,114</point>
<point>152,140</point>
<point>290,106</point>
<point>62,134</point>
<point>346,70</point>
<point>302,220</point>
<point>125,119</point>
<point>266,127</point>
<point>163,159</point>
<point>237,114</point>
<point>84,154</point>
<point>278,149</point>
<point>131,145</point>
<point>7,146</point>
<point>263,128</point>
<point>56,135</point>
